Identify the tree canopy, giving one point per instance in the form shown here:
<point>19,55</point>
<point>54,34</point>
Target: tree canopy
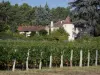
<point>11,16</point>
<point>87,13</point>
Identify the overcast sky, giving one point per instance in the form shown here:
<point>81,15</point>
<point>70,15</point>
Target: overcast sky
<point>51,3</point>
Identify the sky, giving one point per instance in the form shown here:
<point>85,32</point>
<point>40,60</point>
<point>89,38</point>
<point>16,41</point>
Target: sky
<point>51,3</point>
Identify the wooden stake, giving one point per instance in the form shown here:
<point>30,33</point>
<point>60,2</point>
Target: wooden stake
<point>40,64</point>
<point>27,60</point>
<point>96,58</point>
<point>71,58</point>
<point>61,65</point>
<point>81,54</point>
<point>14,63</point>
<point>88,64</point>
<point>50,64</point>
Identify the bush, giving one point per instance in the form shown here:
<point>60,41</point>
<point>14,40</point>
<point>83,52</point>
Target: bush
<point>60,34</point>
<point>11,35</point>
<point>33,33</point>
<point>43,32</point>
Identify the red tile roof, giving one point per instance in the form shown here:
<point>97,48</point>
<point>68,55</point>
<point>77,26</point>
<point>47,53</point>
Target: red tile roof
<point>30,28</point>
<point>38,28</point>
<point>66,21</point>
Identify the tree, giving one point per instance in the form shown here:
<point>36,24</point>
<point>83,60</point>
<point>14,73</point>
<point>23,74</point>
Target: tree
<point>4,15</point>
<point>25,12</point>
<point>39,14</point>
<point>48,14</point>
<point>86,12</point>
<point>15,17</point>
<point>31,16</point>
<point>43,15</point>
<point>60,35</point>
<point>59,13</point>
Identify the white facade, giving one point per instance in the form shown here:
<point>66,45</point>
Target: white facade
<point>47,29</point>
<point>26,33</point>
<point>21,32</point>
<point>52,28</point>
<point>69,28</point>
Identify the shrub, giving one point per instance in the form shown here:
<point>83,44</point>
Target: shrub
<point>60,34</point>
<point>43,32</point>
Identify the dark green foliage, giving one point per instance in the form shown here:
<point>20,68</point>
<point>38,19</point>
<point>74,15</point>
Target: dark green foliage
<point>11,16</point>
<point>11,35</point>
<point>97,29</point>
<point>42,15</point>
<point>43,32</point>
<point>59,13</point>
<point>4,15</point>
<point>86,13</point>
<point>59,35</point>
<point>8,53</point>
<point>33,33</point>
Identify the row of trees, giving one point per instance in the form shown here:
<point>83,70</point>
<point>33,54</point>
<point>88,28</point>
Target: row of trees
<point>13,15</point>
<point>84,13</point>
<point>30,54</point>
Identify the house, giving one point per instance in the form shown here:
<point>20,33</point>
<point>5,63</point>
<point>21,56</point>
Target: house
<point>68,27</point>
<point>27,30</point>
<point>66,24</point>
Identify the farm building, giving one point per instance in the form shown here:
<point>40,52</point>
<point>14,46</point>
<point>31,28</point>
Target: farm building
<point>66,24</point>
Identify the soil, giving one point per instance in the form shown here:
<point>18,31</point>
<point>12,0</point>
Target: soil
<point>57,71</point>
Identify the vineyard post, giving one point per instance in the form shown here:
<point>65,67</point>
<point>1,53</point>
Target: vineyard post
<point>50,64</point>
<point>71,58</point>
<point>61,65</point>
<point>96,58</point>
<point>27,60</point>
<point>81,54</point>
<point>14,63</point>
<point>40,64</point>
<point>88,63</point>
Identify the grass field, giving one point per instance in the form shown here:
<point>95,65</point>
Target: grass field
<point>57,71</point>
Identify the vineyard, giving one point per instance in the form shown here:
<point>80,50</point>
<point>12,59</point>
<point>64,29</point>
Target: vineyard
<point>25,55</point>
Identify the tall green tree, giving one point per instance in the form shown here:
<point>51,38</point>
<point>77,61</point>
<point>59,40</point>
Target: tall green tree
<point>31,16</point>
<point>15,17</point>
<point>4,15</point>
<point>60,13</point>
<point>24,10</point>
<point>43,15</point>
<point>86,12</point>
<point>39,13</point>
<point>48,14</point>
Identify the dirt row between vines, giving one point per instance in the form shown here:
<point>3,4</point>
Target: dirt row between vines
<point>57,71</point>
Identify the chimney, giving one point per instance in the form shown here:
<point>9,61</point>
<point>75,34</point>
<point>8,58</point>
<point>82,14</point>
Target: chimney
<point>51,23</point>
<point>61,22</point>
